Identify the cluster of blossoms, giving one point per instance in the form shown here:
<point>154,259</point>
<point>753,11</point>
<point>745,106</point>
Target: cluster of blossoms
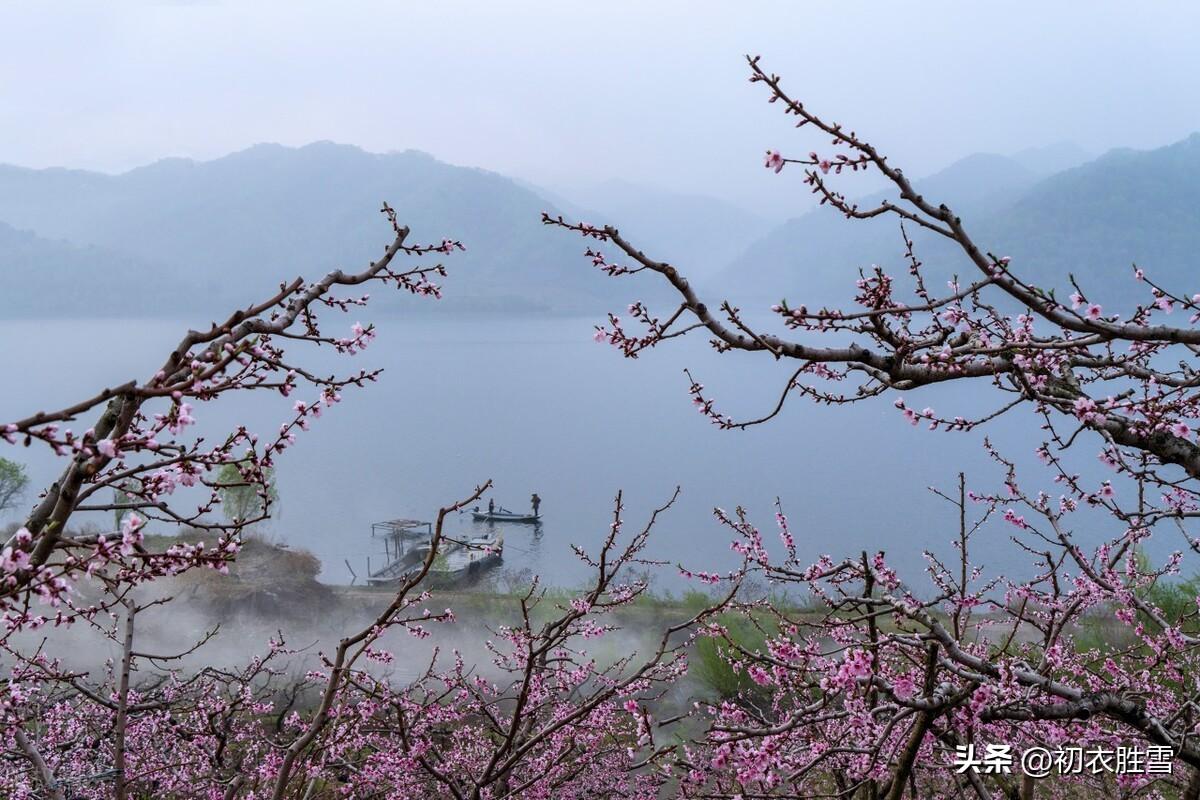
<point>140,462</point>
<point>549,719</point>
<point>872,688</point>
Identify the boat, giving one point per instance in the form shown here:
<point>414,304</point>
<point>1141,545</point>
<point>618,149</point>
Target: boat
<point>504,515</point>
<point>407,543</point>
<point>464,561</point>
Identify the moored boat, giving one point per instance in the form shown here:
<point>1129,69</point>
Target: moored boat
<point>407,544</point>
<point>466,560</point>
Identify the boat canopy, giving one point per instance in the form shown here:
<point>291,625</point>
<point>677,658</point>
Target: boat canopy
<point>402,529</point>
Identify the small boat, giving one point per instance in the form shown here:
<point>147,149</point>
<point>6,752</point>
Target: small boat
<point>504,515</point>
<point>458,561</point>
<point>406,543</point>
<point>398,570</point>
<point>467,560</point>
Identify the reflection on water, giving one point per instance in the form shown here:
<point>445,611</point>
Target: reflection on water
<point>522,548</point>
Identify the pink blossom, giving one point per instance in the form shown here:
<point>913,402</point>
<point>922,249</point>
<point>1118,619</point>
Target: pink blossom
<point>13,560</point>
<point>904,687</point>
<point>759,675</point>
<point>1084,407</point>
<point>1014,519</point>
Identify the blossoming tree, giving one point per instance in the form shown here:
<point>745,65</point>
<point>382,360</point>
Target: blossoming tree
<point>882,688</point>
<point>548,719</point>
<point>889,686</point>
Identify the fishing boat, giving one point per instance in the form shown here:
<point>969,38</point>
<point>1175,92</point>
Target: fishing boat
<point>466,560</point>
<point>406,543</point>
<point>502,514</point>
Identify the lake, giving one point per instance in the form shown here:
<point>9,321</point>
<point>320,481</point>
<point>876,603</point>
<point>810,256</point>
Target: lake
<point>538,406</point>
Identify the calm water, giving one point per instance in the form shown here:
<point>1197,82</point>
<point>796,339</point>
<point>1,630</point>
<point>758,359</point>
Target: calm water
<point>538,406</point>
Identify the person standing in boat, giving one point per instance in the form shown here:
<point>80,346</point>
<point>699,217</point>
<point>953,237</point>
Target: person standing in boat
<point>491,506</point>
<point>536,502</point>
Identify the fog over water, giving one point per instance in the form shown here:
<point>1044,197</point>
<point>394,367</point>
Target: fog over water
<point>537,406</point>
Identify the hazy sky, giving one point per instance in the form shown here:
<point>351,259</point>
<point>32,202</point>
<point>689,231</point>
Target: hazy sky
<point>567,92</point>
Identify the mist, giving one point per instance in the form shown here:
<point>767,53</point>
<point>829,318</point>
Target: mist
<point>649,93</point>
<point>191,170</point>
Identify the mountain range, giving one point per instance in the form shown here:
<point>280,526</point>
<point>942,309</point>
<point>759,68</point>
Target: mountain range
<point>221,232</point>
<point>202,237</point>
<point>1093,220</point>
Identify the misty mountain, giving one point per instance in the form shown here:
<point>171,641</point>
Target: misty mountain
<point>230,229</point>
<point>1093,220</point>
<point>1051,158</point>
<point>818,254</point>
<point>180,236</point>
<point>698,233</point>
<point>1098,219</point>
<point>54,278</point>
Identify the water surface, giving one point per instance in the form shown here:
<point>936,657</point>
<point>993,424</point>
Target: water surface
<point>537,406</point>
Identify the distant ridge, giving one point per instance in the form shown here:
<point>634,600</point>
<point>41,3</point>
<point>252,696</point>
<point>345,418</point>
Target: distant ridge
<point>53,278</point>
<point>230,229</point>
<point>814,258</point>
<point>200,237</point>
<point>1098,219</point>
<point>701,234</point>
<point>1093,220</point>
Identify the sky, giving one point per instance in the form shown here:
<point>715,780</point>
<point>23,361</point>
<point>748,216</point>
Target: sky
<point>569,93</point>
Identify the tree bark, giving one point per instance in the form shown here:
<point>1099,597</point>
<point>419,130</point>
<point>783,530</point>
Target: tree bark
<point>45,775</point>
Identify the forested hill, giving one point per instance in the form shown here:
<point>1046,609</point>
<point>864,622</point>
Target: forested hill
<point>180,235</point>
<point>814,258</point>
<point>1097,220</point>
<point>52,278</point>
<point>697,232</point>
<point>1093,220</point>
<point>199,238</point>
